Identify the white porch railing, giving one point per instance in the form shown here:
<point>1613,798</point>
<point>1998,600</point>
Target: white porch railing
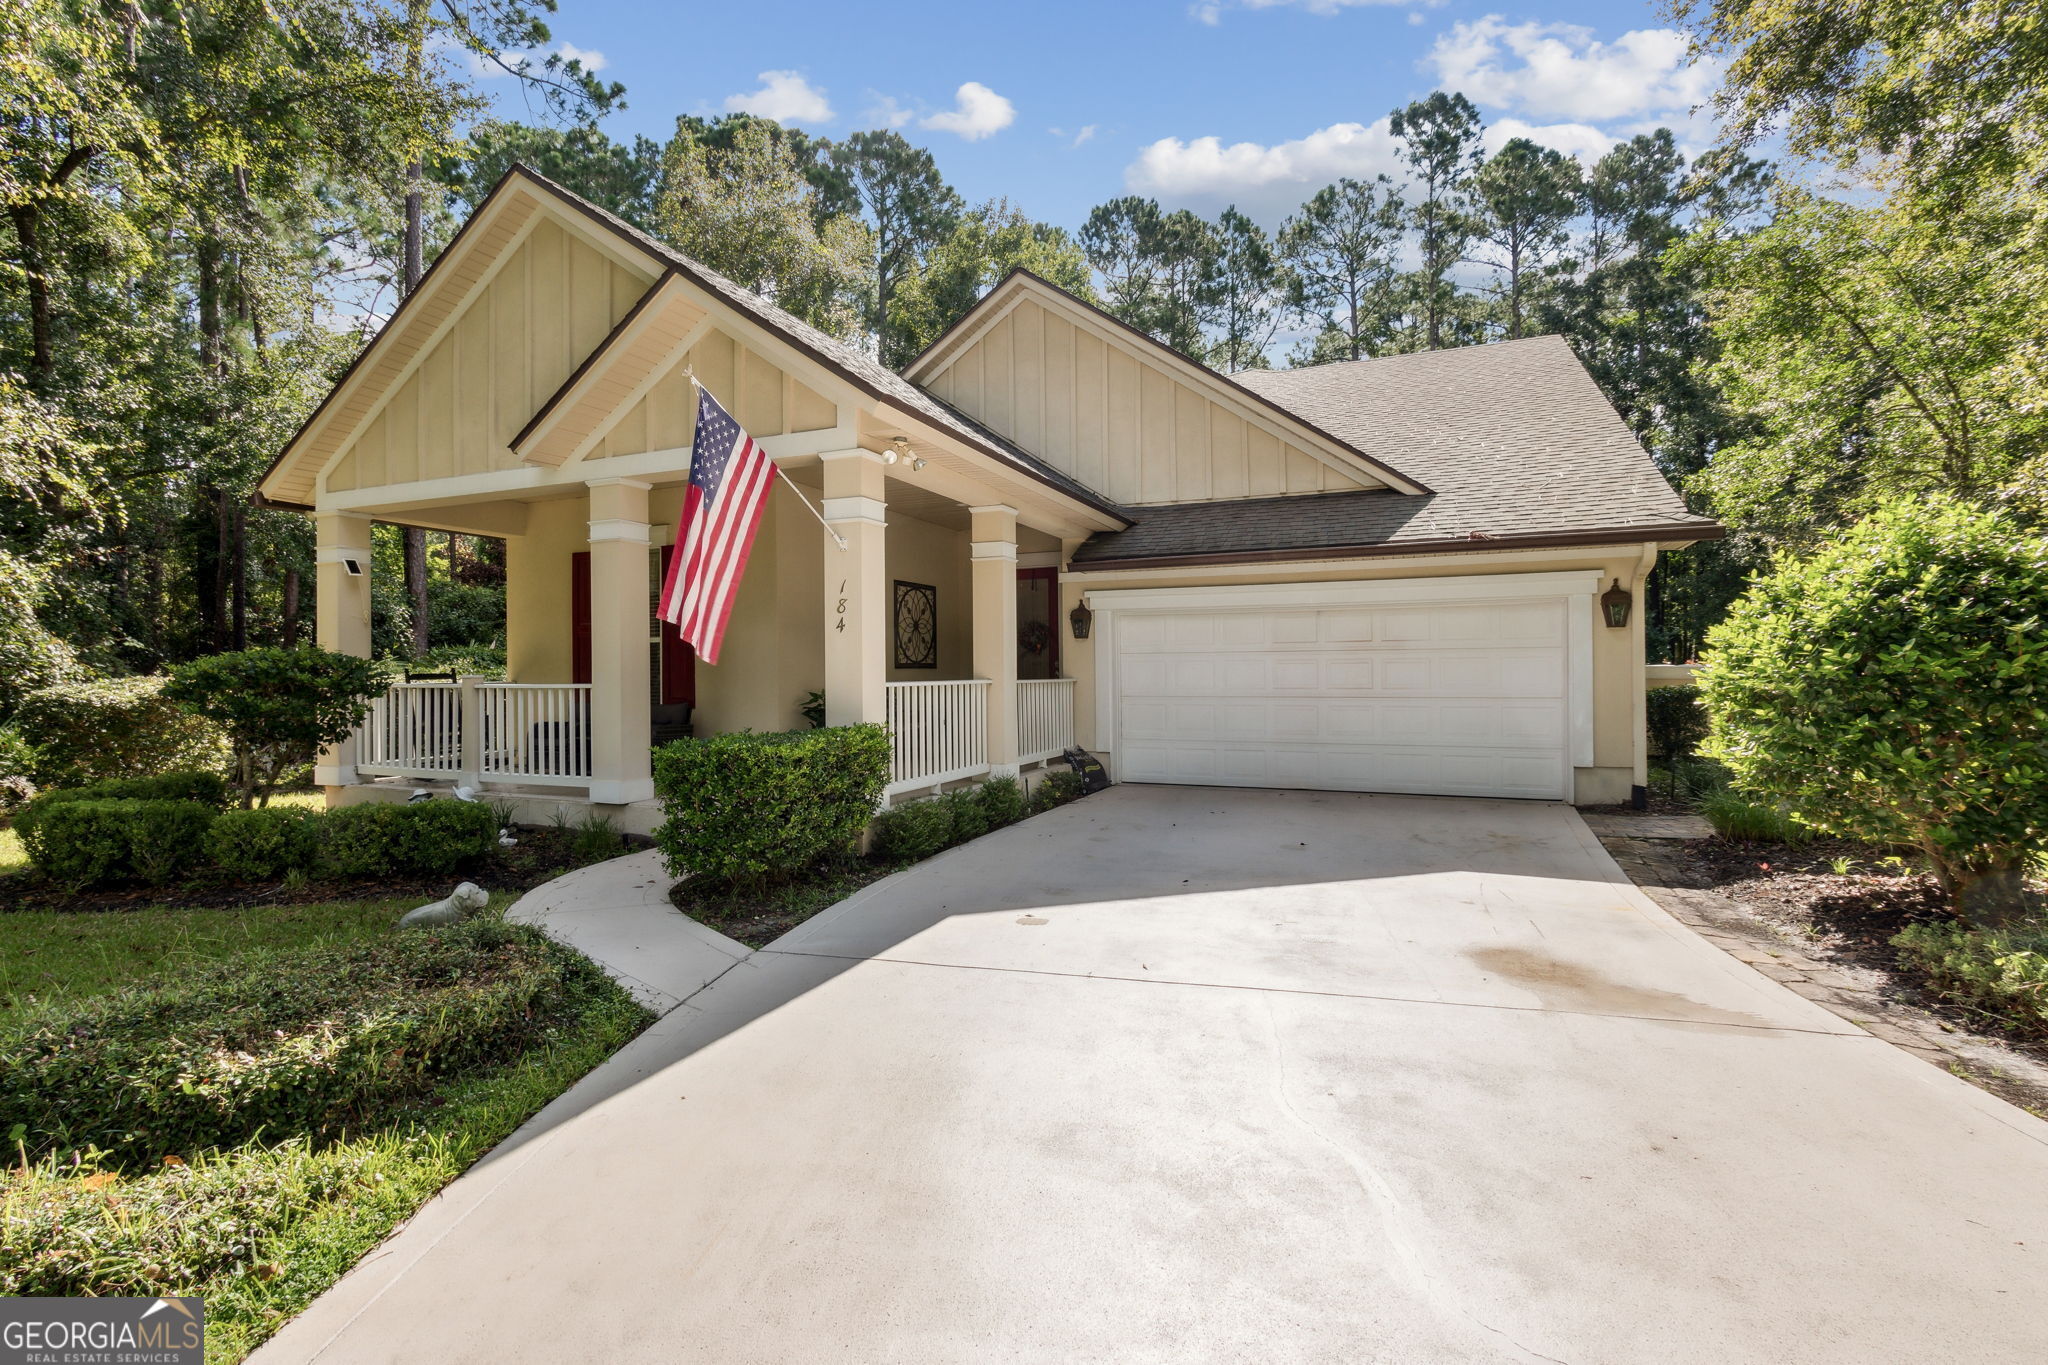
<point>1045,718</point>
<point>537,733</point>
<point>939,730</point>
<point>413,730</point>
<point>528,733</point>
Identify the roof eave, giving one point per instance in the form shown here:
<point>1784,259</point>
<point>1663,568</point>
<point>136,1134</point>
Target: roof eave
<point>1665,533</point>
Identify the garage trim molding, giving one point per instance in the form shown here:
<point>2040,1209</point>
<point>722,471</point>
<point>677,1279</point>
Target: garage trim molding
<point>1576,587</point>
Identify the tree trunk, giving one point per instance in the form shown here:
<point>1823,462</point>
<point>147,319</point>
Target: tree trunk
<point>415,229</point>
<point>1990,898</point>
<point>240,583</point>
<point>27,231</point>
<point>416,585</point>
<point>291,608</point>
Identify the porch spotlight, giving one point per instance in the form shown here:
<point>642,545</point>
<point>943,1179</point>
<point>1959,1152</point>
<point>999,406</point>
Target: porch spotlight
<point>899,448</point>
<point>1080,618</point>
<point>1614,604</point>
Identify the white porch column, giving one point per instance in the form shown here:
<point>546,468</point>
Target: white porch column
<point>856,589</point>
<point>621,735</point>
<point>992,548</point>
<point>341,618</point>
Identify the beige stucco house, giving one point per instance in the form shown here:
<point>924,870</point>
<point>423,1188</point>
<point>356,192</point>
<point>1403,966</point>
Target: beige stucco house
<point>1384,575</point>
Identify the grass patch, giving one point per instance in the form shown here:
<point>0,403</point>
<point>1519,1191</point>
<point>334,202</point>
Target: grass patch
<point>1735,817</point>
<point>759,916</point>
<point>52,956</point>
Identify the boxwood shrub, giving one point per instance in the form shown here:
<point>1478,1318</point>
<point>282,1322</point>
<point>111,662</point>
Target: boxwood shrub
<point>754,808</point>
<point>904,834</point>
<point>378,839</point>
<point>207,789</point>
<point>315,1042</point>
<point>269,841</point>
<point>85,843</point>
<point>1002,801</point>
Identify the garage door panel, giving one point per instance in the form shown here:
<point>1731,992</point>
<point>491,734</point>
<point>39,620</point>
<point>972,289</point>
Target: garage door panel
<point>1454,698</point>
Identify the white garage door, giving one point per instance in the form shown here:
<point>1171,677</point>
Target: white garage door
<point>1455,698</point>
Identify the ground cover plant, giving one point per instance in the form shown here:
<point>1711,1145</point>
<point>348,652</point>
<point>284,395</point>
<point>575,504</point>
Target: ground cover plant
<point>284,1160</point>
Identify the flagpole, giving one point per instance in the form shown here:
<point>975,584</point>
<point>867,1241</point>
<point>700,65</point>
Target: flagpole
<point>830,529</point>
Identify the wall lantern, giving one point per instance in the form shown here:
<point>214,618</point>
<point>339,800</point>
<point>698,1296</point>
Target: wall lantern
<point>1614,604</point>
<point>1081,619</point>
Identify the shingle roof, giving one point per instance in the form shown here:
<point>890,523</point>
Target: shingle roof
<point>858,368</point>
<point>1518,442</point>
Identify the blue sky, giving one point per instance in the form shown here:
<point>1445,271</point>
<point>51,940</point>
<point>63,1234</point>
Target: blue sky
<point>1059,106</point>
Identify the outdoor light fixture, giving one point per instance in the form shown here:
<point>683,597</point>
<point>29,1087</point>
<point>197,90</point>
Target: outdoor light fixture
<point>899,448</point>
<point>917,464</point>
<point>1081,619</point>
<point>352,567</point>
<point>1614,604</point>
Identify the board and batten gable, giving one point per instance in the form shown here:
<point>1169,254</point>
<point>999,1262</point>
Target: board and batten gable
<point>551,303</point>
<point>1092,403</point>
<point>764,398</point>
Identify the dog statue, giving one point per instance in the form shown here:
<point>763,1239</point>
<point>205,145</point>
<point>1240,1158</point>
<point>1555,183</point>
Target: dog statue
<point>464,901</point>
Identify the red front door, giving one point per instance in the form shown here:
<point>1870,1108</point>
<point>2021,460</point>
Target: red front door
<point>678,660</point>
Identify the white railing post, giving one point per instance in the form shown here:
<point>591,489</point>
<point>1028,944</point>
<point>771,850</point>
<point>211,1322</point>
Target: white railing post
<point>469,762</point>
<point>938,732</point>
<point>1045,718</point>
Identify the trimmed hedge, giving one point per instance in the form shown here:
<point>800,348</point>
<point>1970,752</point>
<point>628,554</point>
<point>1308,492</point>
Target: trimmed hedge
<point>206,789</point>
<point>904,834</point>
<point>85,843</point>
<point>1058,788</point>
<point>316,1042</point>
<point>428,837</point>
<point>87,732</point>
<point>269,841</point>
<point>753,808</point>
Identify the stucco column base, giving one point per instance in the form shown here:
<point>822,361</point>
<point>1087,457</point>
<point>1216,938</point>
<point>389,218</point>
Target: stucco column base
<point>856,589</point>
<point>621,725</point>
<point>992,551</point>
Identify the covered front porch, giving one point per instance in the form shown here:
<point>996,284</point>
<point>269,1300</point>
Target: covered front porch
<point>938,618</point>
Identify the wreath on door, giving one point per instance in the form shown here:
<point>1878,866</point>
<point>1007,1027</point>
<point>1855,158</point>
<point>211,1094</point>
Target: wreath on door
<point>1033,637</point>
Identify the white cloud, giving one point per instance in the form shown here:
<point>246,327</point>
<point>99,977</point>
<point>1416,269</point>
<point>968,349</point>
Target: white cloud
<point>885,112</point>
<point>1581,140</point>
<point>1262,180</point>
<point>1564,71</point>
<point>592,61</point>
<point>1087,134</point>
<point>784,96</point>
<point>977,112</point>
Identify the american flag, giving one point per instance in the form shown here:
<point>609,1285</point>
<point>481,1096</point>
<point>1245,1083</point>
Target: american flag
<point>729,479</point>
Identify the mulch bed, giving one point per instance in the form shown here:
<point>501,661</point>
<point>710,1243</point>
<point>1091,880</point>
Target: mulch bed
<point>542,854</point>
<point>1852,915</point>
<point>758,916</point>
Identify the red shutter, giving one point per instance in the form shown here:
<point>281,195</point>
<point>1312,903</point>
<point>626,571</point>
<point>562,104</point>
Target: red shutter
<point>579,616</point>
<point>678,660</point>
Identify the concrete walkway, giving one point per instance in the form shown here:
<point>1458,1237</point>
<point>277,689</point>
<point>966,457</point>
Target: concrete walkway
<point>618,915</point>
<point>1190,1075</point>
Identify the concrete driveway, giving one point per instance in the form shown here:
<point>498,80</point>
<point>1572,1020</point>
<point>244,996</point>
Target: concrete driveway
<point>1195,1075</point>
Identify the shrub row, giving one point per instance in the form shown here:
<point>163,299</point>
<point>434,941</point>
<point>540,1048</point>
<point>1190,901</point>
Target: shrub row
<point>316,1042</point>
<point>921,828</point>
<point>115,727</point>
<point>754,808</point>
<point>157,833</point>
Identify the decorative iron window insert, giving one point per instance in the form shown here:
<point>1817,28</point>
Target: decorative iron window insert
<point>917,625</point>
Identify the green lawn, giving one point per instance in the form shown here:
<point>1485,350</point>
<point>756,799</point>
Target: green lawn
<point>48,956</point>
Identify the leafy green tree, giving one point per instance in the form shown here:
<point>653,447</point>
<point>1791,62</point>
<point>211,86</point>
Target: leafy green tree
<point>751,214</point>
<point>910,210</point>
<point>1524,200</point>
<point>1120,240</point>
<point>1884,352</point>
<point>1249,292</point>
<point>1186,254</point>
<point>1893,687</point>
<point>613,175</point>
<point>280,707</point>
<point>1440,142</point>
<point>1341,252</point>
<point>989,242</point>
